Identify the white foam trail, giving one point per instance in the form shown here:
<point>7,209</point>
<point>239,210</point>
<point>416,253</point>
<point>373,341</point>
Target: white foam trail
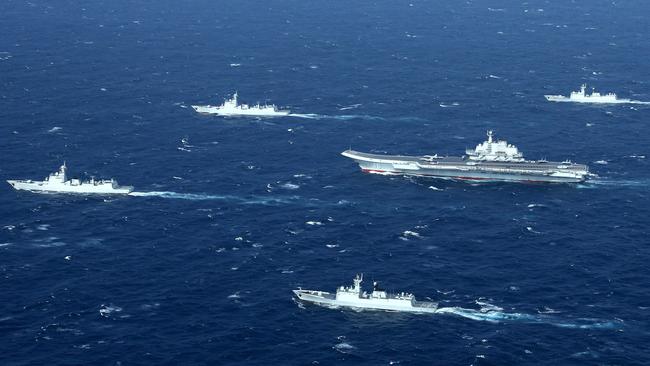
<point>308,115</point>
<point>253,200</point>
<point>614,183</point>
<point>495,316</point>
<point>348,117</point>
<point>341,117</point>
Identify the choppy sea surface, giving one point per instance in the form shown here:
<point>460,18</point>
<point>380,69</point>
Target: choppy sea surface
<point>230,215</point>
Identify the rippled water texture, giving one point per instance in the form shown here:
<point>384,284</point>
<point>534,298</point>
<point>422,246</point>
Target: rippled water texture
<point>230,214</point>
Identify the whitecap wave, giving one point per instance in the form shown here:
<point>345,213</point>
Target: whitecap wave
<point>409,233</point>
<point>107,310</point>
<point>533,205</point>
<point>290,186</point>
<point>530,229</point>
<point>352,106</point>
<point>344,347</point>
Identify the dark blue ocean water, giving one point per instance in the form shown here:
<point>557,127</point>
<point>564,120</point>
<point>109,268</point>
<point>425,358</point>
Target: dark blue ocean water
<point>202,274</point>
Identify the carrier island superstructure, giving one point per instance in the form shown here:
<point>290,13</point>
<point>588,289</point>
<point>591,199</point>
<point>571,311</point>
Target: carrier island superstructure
<point>492,160</point>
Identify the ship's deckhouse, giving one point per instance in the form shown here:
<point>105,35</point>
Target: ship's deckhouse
<point>491,150</point>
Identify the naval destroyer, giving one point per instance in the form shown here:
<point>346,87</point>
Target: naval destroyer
<point>232,108</point>
<point>595,97</point>
<point>378,299</point>
<point>492,160</point>
<point>58,182</point>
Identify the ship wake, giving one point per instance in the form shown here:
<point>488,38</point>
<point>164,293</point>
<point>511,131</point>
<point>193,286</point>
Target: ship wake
<point>496,315</point>
<point>349,117</point>
<point>605,183</point>
<point>341,117</point>
<point>251,200</point>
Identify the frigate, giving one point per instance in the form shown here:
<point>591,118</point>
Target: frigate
<point>492,160</point>
<point>581,96</point>
<point>232,108</point>
<point>58,182</point>
<point>378,299</point>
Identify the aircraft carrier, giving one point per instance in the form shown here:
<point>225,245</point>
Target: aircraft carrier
<point>492,160</point>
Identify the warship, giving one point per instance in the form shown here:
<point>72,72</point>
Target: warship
<point>492,160</point>
<point>378,299</point>
<point>595,97</point>
<point>231,108</point>
<point>58,182</point>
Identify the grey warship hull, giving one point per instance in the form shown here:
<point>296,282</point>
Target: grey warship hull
<point>462,168</point>
<point>378,299</point>
<point>327,299</point>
